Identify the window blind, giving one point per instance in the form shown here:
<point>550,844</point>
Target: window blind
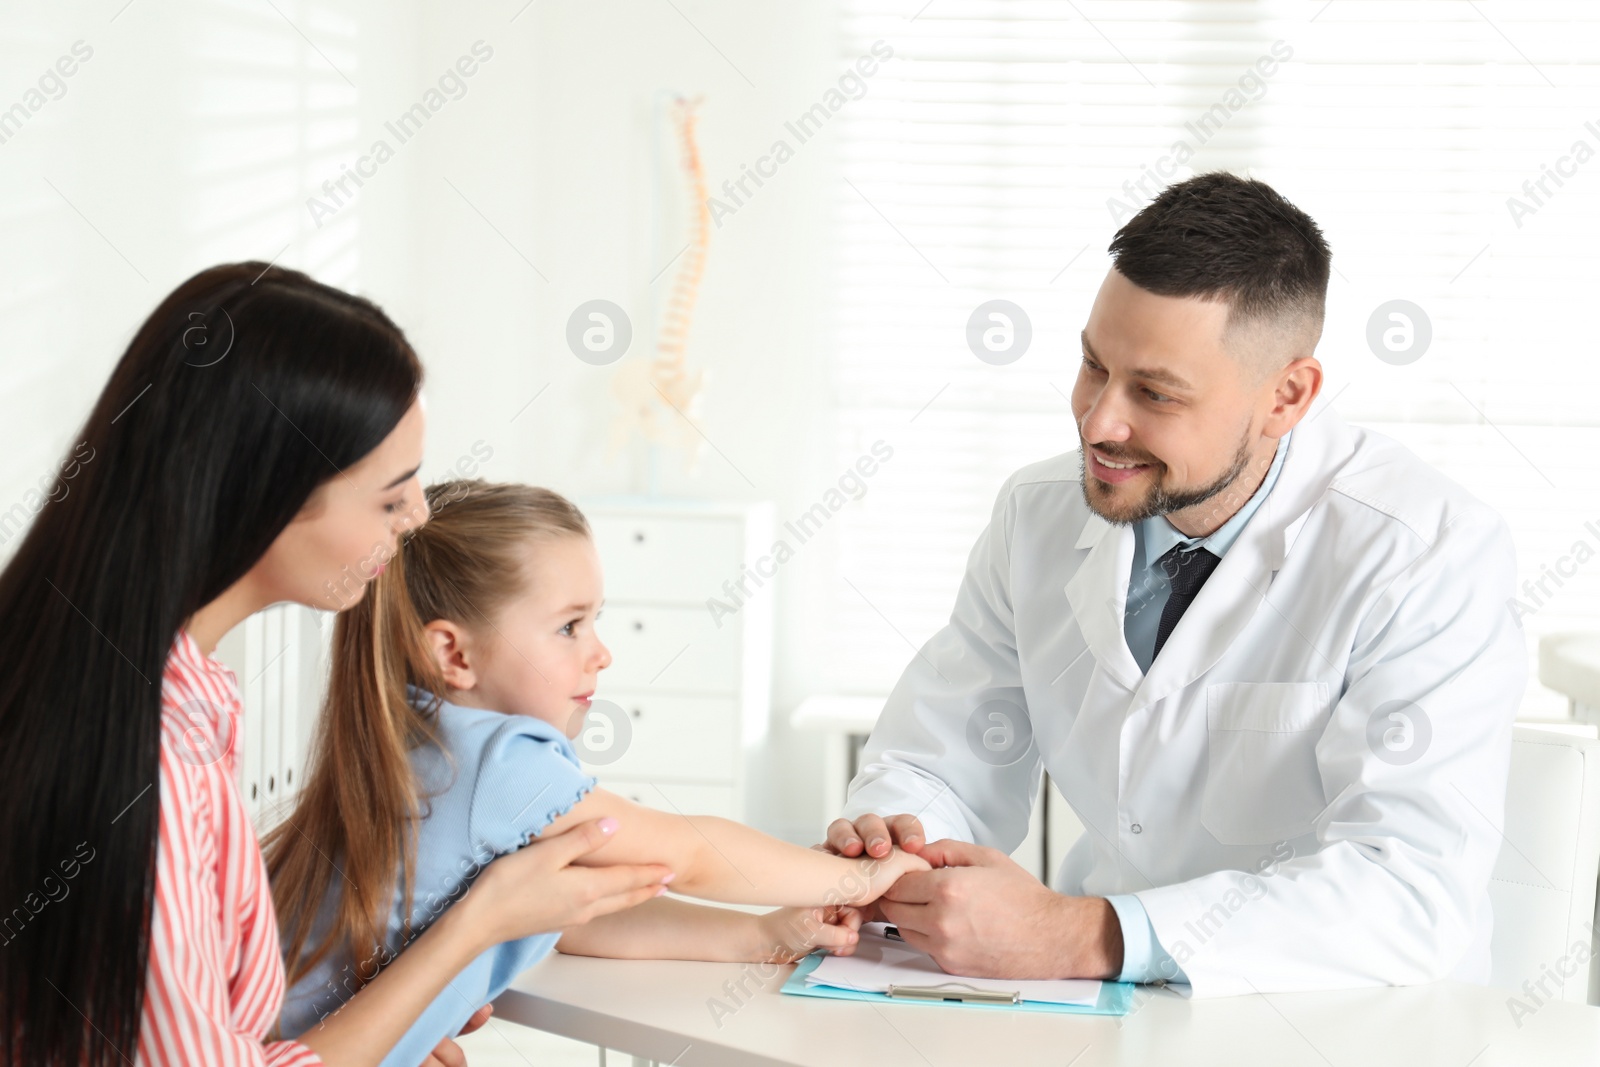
<point>221,140</point>
<point>247,109</point>
<point>999,150</point>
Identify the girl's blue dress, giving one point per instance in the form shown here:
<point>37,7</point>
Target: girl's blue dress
<point>505,778</point>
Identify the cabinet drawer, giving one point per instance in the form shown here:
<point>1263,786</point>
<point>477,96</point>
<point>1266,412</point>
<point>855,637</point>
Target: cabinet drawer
<point>681,798</point>
<point>665,559</point>
<point>666,736</point>
<point>669,649</point>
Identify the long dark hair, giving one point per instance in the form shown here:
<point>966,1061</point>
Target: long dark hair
<point>243,391</point>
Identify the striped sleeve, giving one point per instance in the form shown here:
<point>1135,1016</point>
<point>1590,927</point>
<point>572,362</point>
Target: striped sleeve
<point>215,980</point>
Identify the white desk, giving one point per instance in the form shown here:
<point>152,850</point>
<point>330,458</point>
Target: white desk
<point>659,1010</point>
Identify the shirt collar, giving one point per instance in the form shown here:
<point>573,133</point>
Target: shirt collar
<point>1158,536</point>
<point>442,710</point>
<point>186,650</point>
<point>204,693</point>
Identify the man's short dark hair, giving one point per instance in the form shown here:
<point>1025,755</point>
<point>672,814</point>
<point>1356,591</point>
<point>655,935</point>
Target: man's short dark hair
<point>1221,237</point>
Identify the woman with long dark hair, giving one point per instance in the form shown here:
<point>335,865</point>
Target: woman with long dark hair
<point>257,443</point>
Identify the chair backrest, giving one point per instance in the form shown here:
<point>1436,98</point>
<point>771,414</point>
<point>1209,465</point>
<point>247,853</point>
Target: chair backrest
<point>1543,886</point>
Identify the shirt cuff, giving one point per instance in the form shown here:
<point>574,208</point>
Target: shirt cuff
<point>1143,958</point>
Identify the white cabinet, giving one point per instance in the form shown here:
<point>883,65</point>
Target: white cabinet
<point>279,656</point>
<point>688,692</point>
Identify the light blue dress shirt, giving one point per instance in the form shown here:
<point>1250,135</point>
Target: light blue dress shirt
<point>1143,958</point>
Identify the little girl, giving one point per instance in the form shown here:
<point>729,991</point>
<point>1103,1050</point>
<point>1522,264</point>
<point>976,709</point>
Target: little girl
<point>445,741</point>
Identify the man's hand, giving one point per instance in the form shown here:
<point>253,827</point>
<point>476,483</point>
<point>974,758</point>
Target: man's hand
<point>981,915</point>
<point>872,835</point>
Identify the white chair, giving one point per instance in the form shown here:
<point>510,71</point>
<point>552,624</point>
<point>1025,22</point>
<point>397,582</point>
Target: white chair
<point>1569,663</point>
<point>1543,886</point>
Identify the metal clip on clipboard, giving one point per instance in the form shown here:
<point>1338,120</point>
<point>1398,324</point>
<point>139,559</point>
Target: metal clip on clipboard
<point>951,991</point>
<point>948,990</point>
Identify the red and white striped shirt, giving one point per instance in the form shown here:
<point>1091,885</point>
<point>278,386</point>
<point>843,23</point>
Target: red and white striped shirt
<point>215,983</point>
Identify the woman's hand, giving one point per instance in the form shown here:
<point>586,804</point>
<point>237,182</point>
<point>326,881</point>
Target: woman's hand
<point>537,889</point>
<point>532,891</point>
<point>790,934</point>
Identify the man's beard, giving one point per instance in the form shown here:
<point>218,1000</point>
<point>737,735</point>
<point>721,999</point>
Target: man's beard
<point>1158,501</point>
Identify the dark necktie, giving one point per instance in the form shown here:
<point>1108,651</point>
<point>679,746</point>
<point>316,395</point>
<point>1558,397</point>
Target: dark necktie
<point>1187,569</point>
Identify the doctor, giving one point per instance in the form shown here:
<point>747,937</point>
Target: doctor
<point>1265,656</point>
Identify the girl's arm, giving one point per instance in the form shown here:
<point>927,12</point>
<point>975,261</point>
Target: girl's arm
<point>718,859</point>
<point>669,929</point>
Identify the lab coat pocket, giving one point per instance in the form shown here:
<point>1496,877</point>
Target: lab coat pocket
<point>1262,782</point>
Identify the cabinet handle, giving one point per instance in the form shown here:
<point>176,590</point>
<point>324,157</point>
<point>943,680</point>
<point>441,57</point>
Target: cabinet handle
<point>638,624</point>
<point>635,713</point>
<point>271,782</point>
<point>638,536</point>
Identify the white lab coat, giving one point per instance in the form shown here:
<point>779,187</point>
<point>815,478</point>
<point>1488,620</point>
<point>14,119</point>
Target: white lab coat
<point>1252,788</point>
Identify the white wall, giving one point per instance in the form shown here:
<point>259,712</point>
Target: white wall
<point>563,144</point>
<point>190,136</point>
<point>198,132</point>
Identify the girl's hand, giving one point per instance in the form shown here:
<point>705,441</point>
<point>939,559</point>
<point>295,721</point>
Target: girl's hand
<point>788,935</point>
<point>537,889</point>
<point>885,872</point>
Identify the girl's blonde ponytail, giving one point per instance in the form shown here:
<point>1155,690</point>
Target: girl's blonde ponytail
<point>354,821</point>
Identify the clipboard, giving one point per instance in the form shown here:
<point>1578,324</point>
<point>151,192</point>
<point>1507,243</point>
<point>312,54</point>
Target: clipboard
<point>1116,998</point>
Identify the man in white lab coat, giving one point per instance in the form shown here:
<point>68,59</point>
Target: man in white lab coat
<point>1266,656</point>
